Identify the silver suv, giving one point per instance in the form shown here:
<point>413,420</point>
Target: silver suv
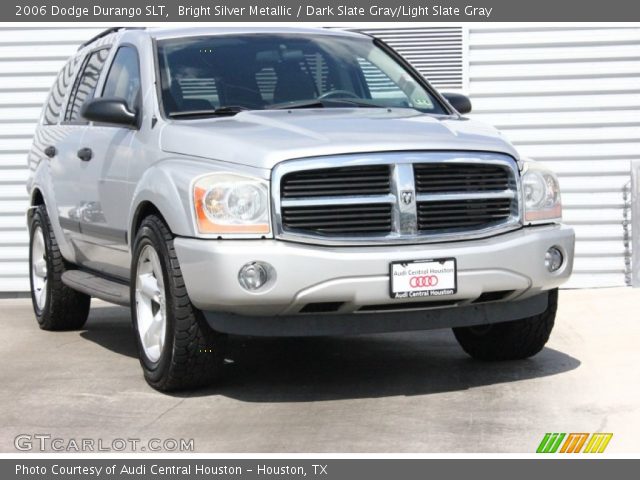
<point>283,182</point>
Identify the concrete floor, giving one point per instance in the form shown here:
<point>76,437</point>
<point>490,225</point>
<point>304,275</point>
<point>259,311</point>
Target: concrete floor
<point>413,392</point>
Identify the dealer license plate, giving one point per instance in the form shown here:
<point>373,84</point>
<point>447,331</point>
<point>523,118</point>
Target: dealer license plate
<point>423,278</point>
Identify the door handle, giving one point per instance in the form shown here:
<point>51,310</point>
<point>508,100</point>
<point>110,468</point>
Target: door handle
<point>85,154</point>
<point>50,151</point>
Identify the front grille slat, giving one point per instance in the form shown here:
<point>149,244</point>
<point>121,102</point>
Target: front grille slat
<point>444,188</point>
<point>315,212</point>
<point>459,224</point>
<point>373,183</point>
<point>426,177</point>
<point>331,191</point>
<point>338,222</point>
<point>462,219</point>
<point>346,179</point>
<point>289,217</point>
<point>457,213</point>
<point>362,202</point>
<point>353,230</point>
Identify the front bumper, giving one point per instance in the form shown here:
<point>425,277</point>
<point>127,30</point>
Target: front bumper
<point>356,279</point>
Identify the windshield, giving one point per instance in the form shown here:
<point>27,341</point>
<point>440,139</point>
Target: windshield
<point>230,73</point>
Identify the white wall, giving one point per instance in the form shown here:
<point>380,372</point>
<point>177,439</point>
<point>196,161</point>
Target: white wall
<point>30,59</point>
<point>569,97</point>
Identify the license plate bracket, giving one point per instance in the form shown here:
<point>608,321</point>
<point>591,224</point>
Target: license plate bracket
<point>423,278</point>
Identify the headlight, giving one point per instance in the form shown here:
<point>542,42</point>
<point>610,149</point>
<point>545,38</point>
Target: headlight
<point>226,203</point>
<point>541,193</point>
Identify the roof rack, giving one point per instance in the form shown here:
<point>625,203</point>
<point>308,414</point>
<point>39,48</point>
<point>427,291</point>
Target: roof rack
<point>106,32</point>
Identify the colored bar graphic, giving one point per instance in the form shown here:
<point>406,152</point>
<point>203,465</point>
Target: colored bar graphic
<point>543,443</point>
<point>555,446</point>
<point>574,442</point>
<point>550,443</point>
<point>598,442</point>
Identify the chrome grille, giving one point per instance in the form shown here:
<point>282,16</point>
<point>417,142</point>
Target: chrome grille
<point>339,219</point>
<point>462,214</point>
<point>443,177</point>
<point>327,182</point>
<point>397,197</point>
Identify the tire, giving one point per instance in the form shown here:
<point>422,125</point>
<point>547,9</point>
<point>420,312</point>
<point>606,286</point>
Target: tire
<point>512,340</point>
<point>56,306</point>
<point>186,353</point>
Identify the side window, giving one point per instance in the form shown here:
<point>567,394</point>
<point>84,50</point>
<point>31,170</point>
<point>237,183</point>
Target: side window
<point>398,91</point>
<point>123,79</point>
<point>52,108</point>
<point>85,84</point>
<point>379,84</point>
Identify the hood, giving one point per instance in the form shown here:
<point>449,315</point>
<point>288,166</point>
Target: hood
<point>263,138</point>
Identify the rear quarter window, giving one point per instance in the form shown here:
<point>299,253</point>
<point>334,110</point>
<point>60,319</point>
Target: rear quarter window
<point>59,90</point>
<point>85,85</point>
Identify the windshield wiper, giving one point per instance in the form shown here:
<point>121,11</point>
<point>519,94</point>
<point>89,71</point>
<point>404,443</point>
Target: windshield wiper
<point>224,110</point>
<point>324,103</point>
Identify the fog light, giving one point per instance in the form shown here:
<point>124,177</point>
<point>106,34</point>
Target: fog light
<point>553,259</point>
<point>253,275</point>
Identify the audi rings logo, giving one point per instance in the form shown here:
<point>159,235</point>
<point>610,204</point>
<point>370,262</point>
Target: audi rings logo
<point>423,281</point>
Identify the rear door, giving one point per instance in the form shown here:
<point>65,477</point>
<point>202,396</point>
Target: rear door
<point>69,172</point>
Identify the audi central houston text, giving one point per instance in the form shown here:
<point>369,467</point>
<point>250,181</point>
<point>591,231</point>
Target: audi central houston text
<point>101,471</point>
<point>282,182</point>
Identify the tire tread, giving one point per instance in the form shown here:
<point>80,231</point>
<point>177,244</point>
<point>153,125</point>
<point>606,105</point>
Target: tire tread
<point>514,340</point>
<point>190,364</point>
<point>66,308</point>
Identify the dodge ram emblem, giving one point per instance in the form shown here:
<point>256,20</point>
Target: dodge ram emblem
<point>407,197</point>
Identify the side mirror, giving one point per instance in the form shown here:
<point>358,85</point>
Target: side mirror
<point>110,110</point>
<point>460,102</point>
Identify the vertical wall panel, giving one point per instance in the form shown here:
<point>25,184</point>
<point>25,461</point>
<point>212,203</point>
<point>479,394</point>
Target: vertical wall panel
<point>30,59</point>
<point>570,97</point>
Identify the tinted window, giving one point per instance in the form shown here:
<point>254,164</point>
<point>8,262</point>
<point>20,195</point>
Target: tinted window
<point>262,70</point>
<point>379,84</point>
<point>85,85</point>
<point>123,80</point>
<point>55,100</point>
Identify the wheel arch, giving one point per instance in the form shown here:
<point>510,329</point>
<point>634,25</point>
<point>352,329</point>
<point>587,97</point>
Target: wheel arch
<point>143,210</point>
<point>163,191</point>
<point>165,188</point>
<point>37,198</point>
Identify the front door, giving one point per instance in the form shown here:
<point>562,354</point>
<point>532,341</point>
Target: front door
<point>103,224</point>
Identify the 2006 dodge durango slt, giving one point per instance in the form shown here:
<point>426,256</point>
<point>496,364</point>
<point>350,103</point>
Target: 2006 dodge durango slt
<point>282,182</point>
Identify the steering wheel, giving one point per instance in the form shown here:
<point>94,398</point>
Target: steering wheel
<point>334,93</point>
